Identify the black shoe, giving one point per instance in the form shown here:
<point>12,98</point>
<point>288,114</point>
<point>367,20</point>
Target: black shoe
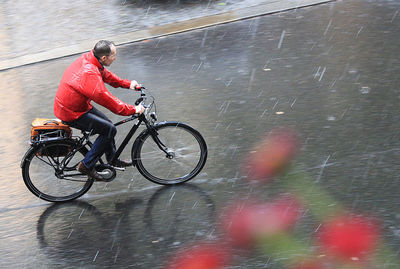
<point>90,172</point>
<point>120,163</point>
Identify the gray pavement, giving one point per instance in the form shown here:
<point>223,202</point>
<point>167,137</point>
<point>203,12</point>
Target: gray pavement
<point>31,33</point>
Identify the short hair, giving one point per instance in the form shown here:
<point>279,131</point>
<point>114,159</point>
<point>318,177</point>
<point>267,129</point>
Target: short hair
<point>102,48</point>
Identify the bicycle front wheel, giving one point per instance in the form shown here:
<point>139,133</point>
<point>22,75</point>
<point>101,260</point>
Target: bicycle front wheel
<point>49,172</point>
<point>186,148</point>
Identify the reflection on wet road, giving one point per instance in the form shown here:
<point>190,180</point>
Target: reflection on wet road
<point>128,232</point>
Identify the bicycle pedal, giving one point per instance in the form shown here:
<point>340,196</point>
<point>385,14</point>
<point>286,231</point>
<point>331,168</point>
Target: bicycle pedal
<point>119,168</point>
<point>76,177</point>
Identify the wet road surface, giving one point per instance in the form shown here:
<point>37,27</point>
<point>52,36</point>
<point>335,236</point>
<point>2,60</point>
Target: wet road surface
<point>329,71</point>
<point>27,28</point>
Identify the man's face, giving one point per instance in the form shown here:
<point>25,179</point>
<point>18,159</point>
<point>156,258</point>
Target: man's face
<point>108,60</point>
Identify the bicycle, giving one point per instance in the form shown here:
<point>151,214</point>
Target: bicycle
<point>165,153</point>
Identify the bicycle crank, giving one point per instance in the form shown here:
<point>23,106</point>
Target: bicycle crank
<point>106,171</point>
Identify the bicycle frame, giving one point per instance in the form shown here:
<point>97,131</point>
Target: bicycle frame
<point>132,131</point>
<point>141,119</point>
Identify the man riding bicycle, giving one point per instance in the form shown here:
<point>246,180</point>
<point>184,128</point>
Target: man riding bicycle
<point>83,82</point>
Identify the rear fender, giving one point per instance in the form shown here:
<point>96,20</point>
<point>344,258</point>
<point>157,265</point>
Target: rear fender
<point>35,145</point>
<point>27,153</point>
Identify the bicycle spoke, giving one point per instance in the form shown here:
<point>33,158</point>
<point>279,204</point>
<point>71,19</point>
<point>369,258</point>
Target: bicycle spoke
<point>181,163</point>
<point>149,158</point>
<point>192,147</point>
<point>169,173</point>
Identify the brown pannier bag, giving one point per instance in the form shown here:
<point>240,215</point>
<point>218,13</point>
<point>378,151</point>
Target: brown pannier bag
<point>46,130</point>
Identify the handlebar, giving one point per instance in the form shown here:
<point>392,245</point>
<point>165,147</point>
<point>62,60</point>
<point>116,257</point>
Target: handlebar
<point>142,99</point>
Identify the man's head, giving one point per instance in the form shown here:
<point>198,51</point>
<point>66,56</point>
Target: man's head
<point>105,51</point>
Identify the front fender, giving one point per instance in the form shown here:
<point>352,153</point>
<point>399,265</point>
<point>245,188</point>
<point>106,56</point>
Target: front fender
<point>136,144</point>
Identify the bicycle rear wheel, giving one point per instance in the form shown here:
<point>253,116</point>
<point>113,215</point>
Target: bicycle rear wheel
<point>187,153</point>
<point>41,171</point>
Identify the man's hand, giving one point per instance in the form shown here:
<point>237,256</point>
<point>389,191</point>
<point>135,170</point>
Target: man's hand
<point>139,109</point>
<point>135,85</point>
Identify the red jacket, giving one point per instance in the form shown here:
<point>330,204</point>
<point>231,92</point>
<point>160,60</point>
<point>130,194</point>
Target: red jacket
<point>82,82</point>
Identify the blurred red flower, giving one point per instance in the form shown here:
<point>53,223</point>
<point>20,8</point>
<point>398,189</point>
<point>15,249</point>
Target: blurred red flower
<point>349,237</point>
<point>272,155</point>
<point>202,256</point>
<point>244,223</point>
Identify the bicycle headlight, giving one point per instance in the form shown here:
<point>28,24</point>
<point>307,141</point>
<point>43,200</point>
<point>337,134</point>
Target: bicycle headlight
<point>153,116</point>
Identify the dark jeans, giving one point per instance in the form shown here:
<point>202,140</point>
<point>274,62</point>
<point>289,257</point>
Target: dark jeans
<point>98,123</point>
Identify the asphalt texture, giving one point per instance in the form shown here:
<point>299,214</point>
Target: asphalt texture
<point>329,71</point>
<point>30,34</point>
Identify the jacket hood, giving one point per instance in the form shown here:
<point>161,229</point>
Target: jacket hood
<point>91,58</point>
